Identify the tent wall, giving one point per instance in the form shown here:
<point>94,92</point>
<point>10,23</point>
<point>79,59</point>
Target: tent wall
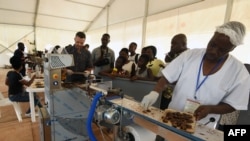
<point>197,21</point>
<point>47,38</point>
<point>10,35</point>
<point>188,20</point>
<point>146,22</point>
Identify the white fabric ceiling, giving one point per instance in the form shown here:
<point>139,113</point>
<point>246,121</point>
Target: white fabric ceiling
<point>46,23</point>
<point>75,15</point>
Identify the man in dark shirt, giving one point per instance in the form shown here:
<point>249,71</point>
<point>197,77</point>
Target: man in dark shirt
<point>82,59</point>
<point>19,52</point>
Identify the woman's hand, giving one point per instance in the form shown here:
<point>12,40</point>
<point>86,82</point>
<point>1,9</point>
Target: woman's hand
<point>202,111</point>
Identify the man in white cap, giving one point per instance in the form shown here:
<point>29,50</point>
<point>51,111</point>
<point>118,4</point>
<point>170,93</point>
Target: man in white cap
<point>210,80</point>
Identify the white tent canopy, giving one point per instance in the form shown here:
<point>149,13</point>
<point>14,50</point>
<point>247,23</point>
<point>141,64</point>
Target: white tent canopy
<point>42,24</point>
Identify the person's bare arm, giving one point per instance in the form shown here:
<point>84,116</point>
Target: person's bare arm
<point>203,110</point>
<point>28,83</point>
<point>159,87</point>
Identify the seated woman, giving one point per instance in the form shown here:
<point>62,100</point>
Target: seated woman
<point>143,73</point>
<point>16,83</point>
<point>117,71</point>
<point>129,65</point>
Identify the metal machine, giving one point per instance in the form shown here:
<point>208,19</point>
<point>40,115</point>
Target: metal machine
<point>67,107</point>
<point>73,109</point>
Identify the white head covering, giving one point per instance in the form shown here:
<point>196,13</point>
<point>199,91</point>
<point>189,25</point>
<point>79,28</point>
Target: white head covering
<point>234,30</point>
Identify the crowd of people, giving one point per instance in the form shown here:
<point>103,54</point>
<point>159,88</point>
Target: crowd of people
<point>191,72</point>
<point>102,60</point>
<point>210,76</point>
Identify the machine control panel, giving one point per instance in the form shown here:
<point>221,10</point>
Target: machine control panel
<point>55,76</point>
<point>55,83</point>
<point>55,79</point>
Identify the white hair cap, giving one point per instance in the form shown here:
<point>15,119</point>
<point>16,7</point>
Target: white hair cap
<point>234,30</point>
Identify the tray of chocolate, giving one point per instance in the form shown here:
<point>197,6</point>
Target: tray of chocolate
<point>180,120</point>
<point>38,84</point>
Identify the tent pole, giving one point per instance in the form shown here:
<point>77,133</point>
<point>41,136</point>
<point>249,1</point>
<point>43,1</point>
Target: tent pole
<point>228,10</point>
<point>144,24</point>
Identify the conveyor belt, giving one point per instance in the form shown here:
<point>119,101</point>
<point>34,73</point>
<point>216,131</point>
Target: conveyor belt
<point>155,116</point>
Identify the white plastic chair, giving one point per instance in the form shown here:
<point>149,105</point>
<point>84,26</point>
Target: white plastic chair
<point>17,107</point>
<point>18,110</point>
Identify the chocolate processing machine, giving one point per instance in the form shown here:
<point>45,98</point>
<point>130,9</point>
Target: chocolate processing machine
<point>73,110</point>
